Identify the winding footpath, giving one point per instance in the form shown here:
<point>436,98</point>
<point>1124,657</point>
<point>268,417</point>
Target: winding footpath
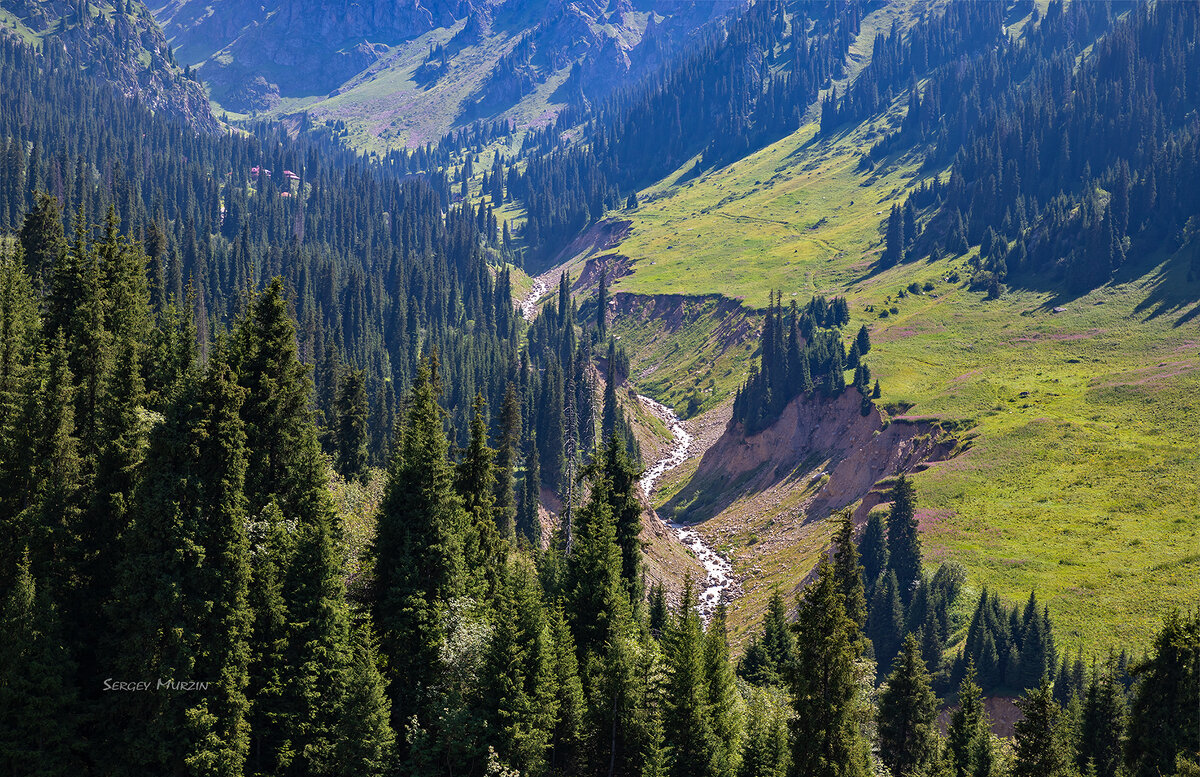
<point>718,569</point>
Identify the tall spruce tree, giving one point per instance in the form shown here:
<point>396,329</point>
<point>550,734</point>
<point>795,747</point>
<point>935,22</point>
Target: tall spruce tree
<point>529,524</point>
<point>873,550</point>
<point>181,604</point>
<point>1102,725</point>
<point>908,738</point>
<point>418,553</point>
<point>506,464</point>
<point>1040,738</point>
<point>365,743</point>
<point>765,746</point>
<point>18,341</point>
<point>968,740</point>
<point>688,724</point>
<point>848,569</point>
<point>566,737</point>
<point>1163,717</point>
<point>610,412</point>
<point>49,483</point>
<point>39,706</point>
<point>352,415</point>
<point>43,242</point>
<point>597,598</point>
<point>266,358</point>
<point>519,692</point>
<point>826,740</point>
<point>475,480</point>
<point>724,704</point>
<point>622,477</point>
<point>602,306</point>
<point>885,622</point>
<point>903,541</point>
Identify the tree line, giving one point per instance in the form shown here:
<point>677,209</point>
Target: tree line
<point>175,593</point>
<point>1059,172</point>
<point>801,353</point>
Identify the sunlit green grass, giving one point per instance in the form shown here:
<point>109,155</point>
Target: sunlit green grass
<point>1083,479</point>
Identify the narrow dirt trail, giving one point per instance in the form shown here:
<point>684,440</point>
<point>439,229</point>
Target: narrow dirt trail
<point>718,569</point>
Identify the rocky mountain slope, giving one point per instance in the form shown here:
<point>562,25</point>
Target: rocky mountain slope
<point>119,43</point>
<point>407,71</point>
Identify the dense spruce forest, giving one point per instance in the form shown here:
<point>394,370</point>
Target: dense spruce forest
<point>1058,172</point>
<point>200,333</point>
<point>176,602</point>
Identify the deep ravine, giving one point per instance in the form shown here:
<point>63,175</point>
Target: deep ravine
<point>718,569</point>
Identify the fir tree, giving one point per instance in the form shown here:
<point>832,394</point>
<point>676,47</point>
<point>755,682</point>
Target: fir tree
<point>885,622</point>
<point>189,540</point>
<point>968,739</point>
<point>43,242</point>
<point>365,740</point>
<point>265,356</point>
<point>519,692</point>
<point>724,708</point>
<point>597,598</point>
<point>352,425</point>
<point>777,640</point>
<point>566,738</point>
<point>18,332</point>
<point>848,570</point>
<point>825,735</point>
<point>475,481</point>
<point>622,477</point>
<point>529,523</point>
<point>610,414</point>
<point>49,484</point>
<point>1041,747</point>
<point>418,552</point>
<point>908,738</point>
<point>765,748</point>
<point>688,723</point>
<point>602,306</point>
<point>39,708</point>
<point>506,464</point>
<point>1163,718</point>
<point>874,550</point>
<point>903,542</point>
<point>1102,725</point>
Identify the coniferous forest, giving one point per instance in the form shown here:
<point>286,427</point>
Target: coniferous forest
<point>206,337</point>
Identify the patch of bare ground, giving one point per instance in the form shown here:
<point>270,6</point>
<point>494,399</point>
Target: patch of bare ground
<point>1001,710</point>
<point>761,499</point>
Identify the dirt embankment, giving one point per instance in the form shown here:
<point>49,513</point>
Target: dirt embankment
<point>826,445</point>
<point>602,236</point>
<point>674,312</point>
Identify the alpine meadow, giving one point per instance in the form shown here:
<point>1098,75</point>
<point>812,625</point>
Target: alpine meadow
<point>599,388</point>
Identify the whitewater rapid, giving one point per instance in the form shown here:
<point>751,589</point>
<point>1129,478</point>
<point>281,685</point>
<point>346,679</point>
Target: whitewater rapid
<point>528,305</point>
<point>718,570</point>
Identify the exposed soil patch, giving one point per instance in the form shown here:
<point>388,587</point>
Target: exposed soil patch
<point>677,311</point>
<point>827,444</point>
<point>615,265</point>
<point>604,235</point>
<point>1001,710</point>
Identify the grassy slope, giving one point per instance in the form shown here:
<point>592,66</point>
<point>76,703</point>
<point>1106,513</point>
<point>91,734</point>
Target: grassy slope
<point>1082,482</point>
